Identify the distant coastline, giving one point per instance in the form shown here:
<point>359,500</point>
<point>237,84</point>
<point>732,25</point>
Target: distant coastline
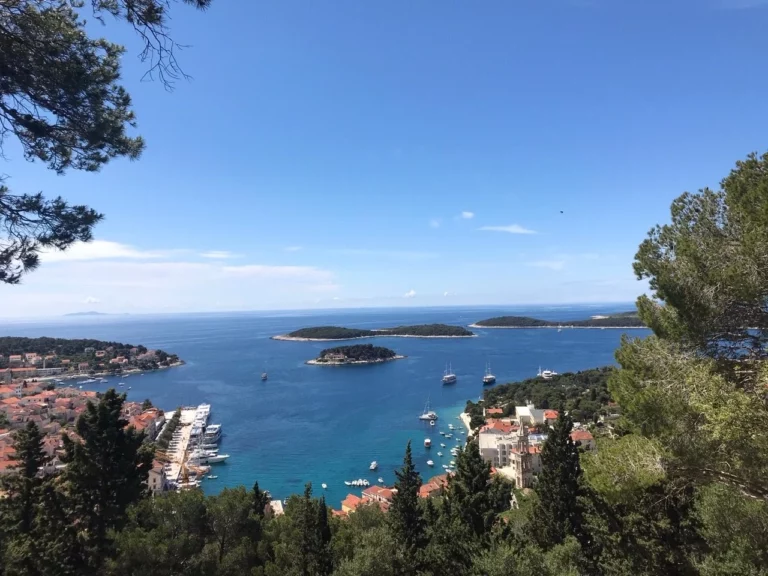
<point>287,338</point>
<point>622,321</point>
<point>569,326</point>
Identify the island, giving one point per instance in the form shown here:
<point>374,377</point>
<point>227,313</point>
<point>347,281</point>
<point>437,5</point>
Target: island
<point>354,355</point>
<point>52,357</point>
<point>626,320</point>
<point>325,333</point>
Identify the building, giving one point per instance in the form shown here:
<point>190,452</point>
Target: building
<point>529,415</point>
<point>156,480</point>
<point>379,494</point>
<point>434,487</point>
<point>584,439</point>
<point>350,503</point>
<point>14,360</point>
<point>512,455</point>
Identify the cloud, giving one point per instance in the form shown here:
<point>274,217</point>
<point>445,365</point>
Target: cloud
<point>511,229</point>
<point>101,250</point>
<point>549,264</point>
<point>410,294</point>
<point>91,300</point>
<point>292,248</point>
<point>218,255</point>
<point>446,294</point>
<point>467,215</point>
<point>434,223</point>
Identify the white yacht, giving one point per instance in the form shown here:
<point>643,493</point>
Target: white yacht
<point>212,433</point>
<point>450,426</point>
<point>428,414</point>
<point>448,376</point>
<point>489,378</point>
<point>324,485</point>
<point>430,463</point>
<point>427,443</point>
<point>440,454</point>
<point>381,480</point>
<point>347,482</point>
<point>373,465</point>
<point>442,445</point>
<point>546,374</point>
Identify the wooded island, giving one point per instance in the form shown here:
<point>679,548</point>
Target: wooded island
<point>358,354</point>
<point>619,320</point>
<point>320,333</point>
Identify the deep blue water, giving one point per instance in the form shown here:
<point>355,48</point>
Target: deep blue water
<point>326,424</point>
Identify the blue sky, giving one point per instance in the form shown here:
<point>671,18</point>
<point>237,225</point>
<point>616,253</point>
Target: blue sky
<point>350,153</point>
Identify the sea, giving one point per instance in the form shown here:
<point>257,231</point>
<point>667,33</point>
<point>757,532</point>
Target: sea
<point>324,424</point>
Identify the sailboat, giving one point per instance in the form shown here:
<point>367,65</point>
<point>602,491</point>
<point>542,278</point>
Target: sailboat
<point>489,378</point>
<point>448,376</point>
<point>428,414</point>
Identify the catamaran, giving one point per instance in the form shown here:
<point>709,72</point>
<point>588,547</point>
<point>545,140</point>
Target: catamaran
<point>448,376</point>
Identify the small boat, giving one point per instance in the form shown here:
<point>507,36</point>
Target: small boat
<point>489,378</point>
<point>449,435</point>
<point>450,426</point>
<point>442,433</point>
<point>440,454</point>
<point>453,463</point>
<point>448,376</point>
<point>347,482</point>
<point>104,381</point>
<point>445,466</point>
<point>324,485</point>
<point>381,480</point>
<point>427,443</point>
<point>121,383</point>
<point>129,387</point>
<point>373,465</point>
<point>263,376</point>
<point>442,445</point>
<point>212,477</point>
<point>431,422</point>
<point>430,463</point>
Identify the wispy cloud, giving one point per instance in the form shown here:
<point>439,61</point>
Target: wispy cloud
<point>410,294</point>
<point>91,300</point>
<point>292,248</point>
<point>434,223</point>
<point>102,250</point>
<point>548,264</point>
<point>511,229</point>
<point>467,215</point>
<point>218,255</point>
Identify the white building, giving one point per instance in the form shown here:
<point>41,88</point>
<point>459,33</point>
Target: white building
<point>512,455</point>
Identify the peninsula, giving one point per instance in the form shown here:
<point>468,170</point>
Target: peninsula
<point>327,333</point>
<point>354,355</point>
<point>620,320</point>
<point>42,357</point>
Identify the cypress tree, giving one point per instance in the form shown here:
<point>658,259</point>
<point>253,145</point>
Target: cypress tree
<point>259,499</point>
<point>558,512</point>
<point>469,491</point>
<point>405,514</point>
<point>106,471</point>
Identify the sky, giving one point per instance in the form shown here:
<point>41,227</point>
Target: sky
<point>400,153</point>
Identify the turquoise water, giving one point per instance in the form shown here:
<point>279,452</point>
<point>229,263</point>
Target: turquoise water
<point>326,424</point>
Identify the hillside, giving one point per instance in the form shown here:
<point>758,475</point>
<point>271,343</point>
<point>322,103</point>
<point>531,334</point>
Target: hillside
<point>321,333</point>
<point>619,320</point>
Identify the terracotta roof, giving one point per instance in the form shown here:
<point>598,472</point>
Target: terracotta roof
<point>339,513</point>
<point>551,414</point>
<point>577,435</point>
<point>351,501</point>
<point>378,492</point>
<point>494,411</point>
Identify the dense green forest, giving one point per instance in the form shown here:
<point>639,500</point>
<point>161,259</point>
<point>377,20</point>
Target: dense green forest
<point>357,353</point>
<point>621,320</point>
<point>583,394</point>
<point>330,333</point>
<point>339,333</point>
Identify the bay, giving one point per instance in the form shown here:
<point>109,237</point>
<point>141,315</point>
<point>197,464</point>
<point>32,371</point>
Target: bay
<point>326,424</point>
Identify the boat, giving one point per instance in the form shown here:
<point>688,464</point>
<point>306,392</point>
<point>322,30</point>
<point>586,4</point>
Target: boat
<point>381,480</point>
<point>453,463</point>
<point>440,454</point>
<point>489,378</point>
<point>347,482</point>
<point>373,465</point>
<point>263,376</point>
<point>546,374</point>
<point>129,387</point>
<point>442,445</point>
<point>324,485</point>
<point>430,463</point>
<point>445,466</point>
<point>427,443</point>
<point>442,433</point>
<point>104,381</point>
<point>217,458</point>
<point>449,435</point>
<point>450,426</point>
<point>212,433</point>
<point>428,414</point>
<point>448,376</point>
<point>431,422</point>
<point>212,477</point>
<point>121,383</point>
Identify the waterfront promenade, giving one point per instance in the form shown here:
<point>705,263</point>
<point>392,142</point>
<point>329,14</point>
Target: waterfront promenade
<point>179,454</point>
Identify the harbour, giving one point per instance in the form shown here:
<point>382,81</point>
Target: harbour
<point>305,424</point>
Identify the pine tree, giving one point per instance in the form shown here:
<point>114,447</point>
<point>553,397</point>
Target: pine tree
<point>106,471</point>
<point>469,489</point>
<point>405,515</point>
<point>259,499</point>
<point>558,512</point>
<point>324,557</point>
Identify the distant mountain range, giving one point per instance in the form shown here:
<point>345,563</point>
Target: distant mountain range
<point>89,313</point>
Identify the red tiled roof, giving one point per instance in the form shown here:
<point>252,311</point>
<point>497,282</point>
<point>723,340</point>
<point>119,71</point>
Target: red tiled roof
<point>378,492</point>
<point>351,501</point>
<point>339,513</point>
<point>577,435</point>
<point>494,411</point>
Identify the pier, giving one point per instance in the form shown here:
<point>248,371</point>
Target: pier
<point>178,468</point>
